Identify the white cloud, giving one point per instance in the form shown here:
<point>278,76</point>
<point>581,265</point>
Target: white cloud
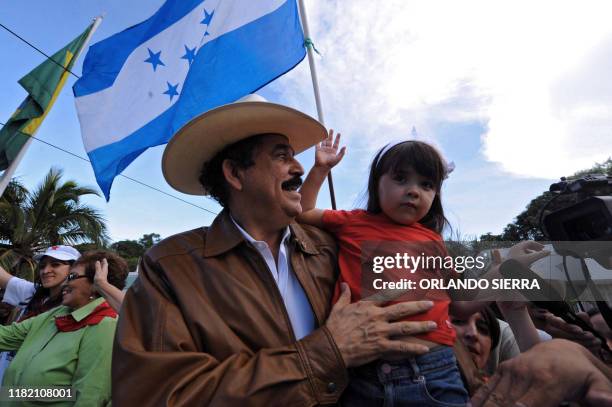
<point>535,72</point>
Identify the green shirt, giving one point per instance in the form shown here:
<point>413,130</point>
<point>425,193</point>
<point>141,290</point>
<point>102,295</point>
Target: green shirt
<point>48,357</point>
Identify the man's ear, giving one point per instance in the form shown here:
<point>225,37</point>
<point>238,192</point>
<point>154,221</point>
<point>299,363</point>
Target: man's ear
<point>232,174</point>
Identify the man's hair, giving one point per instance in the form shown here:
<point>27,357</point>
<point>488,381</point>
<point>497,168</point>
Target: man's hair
<point>117,267</point>
<point>241,153</point>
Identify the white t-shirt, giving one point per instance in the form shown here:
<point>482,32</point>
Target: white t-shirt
<point>17,293</point>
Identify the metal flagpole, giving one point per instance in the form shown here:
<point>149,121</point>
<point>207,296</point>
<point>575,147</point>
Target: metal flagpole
<point>315,85</point>
<point>96,24</point>
<point>10,171</point>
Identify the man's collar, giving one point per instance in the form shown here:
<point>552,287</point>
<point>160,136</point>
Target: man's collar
<point>250,239</point>
<point>223,235</point>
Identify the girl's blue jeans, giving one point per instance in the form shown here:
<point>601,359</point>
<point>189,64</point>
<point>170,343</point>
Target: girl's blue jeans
<point>432,379</point>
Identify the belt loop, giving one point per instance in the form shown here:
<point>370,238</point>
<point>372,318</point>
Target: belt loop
<point>415,369</point>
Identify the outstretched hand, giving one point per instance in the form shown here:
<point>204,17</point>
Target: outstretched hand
<point>527,252</point>
<point>101,276</point>
<point>327,154</point>
<point>545,376</point>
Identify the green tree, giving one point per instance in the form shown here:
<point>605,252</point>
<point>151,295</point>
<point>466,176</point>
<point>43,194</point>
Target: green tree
<point>149,240</point>
<point>132,250</point>
<point>85,247</point>
<point>51,214</point>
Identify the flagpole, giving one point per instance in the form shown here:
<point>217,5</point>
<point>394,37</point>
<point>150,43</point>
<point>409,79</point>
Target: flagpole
<point>10,171</point>
<point>96,24</point>
<point>315,85</point>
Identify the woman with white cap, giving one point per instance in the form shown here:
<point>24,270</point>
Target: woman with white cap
<point>45,293</point>
<point>33,298</point>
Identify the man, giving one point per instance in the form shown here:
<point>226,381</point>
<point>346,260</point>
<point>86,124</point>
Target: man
<point>240,312</point>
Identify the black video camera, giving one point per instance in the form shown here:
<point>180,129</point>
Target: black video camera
<point>575,230</point>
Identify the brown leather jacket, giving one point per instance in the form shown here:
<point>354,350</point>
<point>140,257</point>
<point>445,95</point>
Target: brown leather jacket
<point>204,324</point>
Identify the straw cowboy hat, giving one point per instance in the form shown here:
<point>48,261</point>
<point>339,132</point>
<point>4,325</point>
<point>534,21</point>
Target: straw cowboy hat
<point>207,134</point>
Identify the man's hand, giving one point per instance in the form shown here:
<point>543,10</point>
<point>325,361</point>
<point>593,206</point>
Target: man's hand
<point>364,331</point>
<point>548,374</point>
<point>558,328</point>
<point>326,153</point>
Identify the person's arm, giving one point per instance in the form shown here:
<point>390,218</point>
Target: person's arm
<point>308,372</point>
<point>111,294</point>
<point>326,157</point>
<point>18,291</point>
<point>5,276</point>
<point>545,376</point>
<point>13,335</point>
<point>91,380</point>
<point>520,322</point>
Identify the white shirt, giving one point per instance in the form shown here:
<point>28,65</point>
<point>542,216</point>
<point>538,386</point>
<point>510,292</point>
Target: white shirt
<point>297,304</point>
<point>18,291</point>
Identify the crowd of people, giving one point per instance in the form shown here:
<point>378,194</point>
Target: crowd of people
<point>267,305</point>
<point>64,324</point>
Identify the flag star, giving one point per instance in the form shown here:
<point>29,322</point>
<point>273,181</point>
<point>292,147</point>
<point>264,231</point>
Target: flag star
<point>154,59</point>
<point>172,90</point>
<point>189,54</point>
<point>207,17</point>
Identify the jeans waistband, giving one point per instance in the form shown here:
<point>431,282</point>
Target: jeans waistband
<point>437,358</point>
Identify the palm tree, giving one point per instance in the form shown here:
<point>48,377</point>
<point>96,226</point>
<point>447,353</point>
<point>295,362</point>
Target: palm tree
<point>51,214</point>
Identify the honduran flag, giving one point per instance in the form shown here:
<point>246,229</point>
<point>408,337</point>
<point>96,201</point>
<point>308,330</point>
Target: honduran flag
<point>141,85</point>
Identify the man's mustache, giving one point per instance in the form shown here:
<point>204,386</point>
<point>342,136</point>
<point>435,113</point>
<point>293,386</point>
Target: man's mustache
<point>294,182</point>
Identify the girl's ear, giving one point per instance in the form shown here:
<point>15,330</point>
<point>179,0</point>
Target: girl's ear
<point>232,174</point>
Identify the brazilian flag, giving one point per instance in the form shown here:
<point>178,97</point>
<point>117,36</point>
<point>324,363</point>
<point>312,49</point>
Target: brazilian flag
<point>43,85</point>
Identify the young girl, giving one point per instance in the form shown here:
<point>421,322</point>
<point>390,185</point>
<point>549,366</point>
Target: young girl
<point>404,205</point>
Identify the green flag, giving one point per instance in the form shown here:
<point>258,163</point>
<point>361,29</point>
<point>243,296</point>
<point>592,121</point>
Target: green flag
<point>43,85</point>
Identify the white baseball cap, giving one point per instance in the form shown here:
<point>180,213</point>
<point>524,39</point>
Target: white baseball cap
<point>64,253</point>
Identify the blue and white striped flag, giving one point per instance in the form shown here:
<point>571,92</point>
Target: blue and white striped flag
<point>142,84</point>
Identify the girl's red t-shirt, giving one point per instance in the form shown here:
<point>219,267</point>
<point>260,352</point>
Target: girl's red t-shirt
<point>362,235</point>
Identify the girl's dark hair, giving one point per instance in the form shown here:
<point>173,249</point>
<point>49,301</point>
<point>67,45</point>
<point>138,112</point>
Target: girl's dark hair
<point>491,320</point>
<point>422,158</point>
<point>41,300</point>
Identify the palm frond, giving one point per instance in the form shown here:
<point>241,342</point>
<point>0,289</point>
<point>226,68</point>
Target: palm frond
<point>51,214</point>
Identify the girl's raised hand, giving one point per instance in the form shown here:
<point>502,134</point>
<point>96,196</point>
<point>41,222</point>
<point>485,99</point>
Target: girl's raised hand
<point>327,154</point>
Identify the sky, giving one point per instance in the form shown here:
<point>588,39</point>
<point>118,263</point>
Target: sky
<point>516,94</point>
